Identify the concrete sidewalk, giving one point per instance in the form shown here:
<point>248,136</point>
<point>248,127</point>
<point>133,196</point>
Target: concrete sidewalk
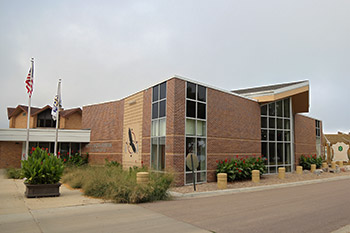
<point>73,212</point>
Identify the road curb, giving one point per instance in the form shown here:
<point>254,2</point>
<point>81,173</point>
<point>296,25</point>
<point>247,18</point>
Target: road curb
<point>177,195</point>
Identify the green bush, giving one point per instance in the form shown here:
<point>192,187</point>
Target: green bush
<point>114,183</point>
<point>306,161</point>
<point>14,173</point>
<point>112,163</point>
<point>76,159</point>
<point>241,169</point>
<point>42,168</point>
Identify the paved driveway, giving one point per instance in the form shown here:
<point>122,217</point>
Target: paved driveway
<point>321,207</point>
<point>72,212</point>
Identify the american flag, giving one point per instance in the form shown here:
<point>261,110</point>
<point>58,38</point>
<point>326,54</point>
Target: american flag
<point>29,82</point>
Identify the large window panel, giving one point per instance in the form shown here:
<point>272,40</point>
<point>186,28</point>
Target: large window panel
<point>196,98</point>
<point>201,128</point>
<point>191,109</point>
<point>162,91</point>
<point>162,127</point>
<point>155,110</point>
<point>191,91</point>
<point>162,108</point>
<point>201,111</point>
<point>155,95</point>
<point>201,93</point>
<point>158,127</point>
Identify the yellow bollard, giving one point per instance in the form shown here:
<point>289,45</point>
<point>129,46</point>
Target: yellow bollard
<point>313,168</point>
<point>256,176</point>
<point>222,180</point>
<point>324,165</point>
<point>341,164</point>
<point>299,170</point>
<point>142,177</point>
<point>333,165</point>
<point>281,172</point>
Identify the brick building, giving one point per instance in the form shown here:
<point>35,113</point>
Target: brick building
<point>160,126</point>
<point>42,133</point>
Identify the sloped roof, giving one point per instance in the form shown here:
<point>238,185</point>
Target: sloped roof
<point>35,110</point>
<point>266,88</point>
<point>68,112</point>
<point>334,138</point>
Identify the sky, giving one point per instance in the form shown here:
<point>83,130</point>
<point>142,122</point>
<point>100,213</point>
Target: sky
<point>107,50</point>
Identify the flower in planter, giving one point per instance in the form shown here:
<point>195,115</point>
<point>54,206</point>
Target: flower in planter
<point>40,168</point>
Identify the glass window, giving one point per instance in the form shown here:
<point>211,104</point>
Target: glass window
<point>272,109</point>
<point>280,153</point>
<point>161,154</point>
<point>286,124</point>
<point>272,123</point>
<point>279,108</point>
<point>201,153</point>
<point>272,155</point>
<point>272,135</point>
<point>201,111</point>
<point>263,122</point>
<point>190,127</point>
<point>264,134</point>
<point>286,136</point>
<point>154,149</point>
<point>191,91</point>
<point>201,176</point>
<point>162,108</point>
<point>155,125</point>
<point>162,91</point>
<point>155,93</point>
<point>191,109</point>
<point>201,93</point>
<point>287,153</point>
<point>264,149</point>
<point>279,123</point>
<point>162,127</point>
<point>201,128</point>
<point>75,148</point>
<point>155,110</point>
<point>264,110</point>
<point>286,108</point>
<point>190,145</point>
<point>280,136</point>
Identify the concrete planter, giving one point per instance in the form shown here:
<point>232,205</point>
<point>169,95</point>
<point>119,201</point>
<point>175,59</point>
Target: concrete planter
<point>42,190</point>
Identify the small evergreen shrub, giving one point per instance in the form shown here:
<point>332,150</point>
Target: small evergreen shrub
<point>241,169</point>
<point>306,161</point>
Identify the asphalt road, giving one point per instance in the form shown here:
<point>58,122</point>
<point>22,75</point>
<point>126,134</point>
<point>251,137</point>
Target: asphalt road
<point>322,207</point>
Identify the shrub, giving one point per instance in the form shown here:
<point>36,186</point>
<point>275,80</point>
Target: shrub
<point>241,169</point>
<point>112,163</point>
<point>14,173</point>
<point>42,168</point>
<point>114,183</point>
<point>76,159</point>
<point>306,161</point>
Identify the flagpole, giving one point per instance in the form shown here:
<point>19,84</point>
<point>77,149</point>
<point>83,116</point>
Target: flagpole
<point>28,117</point>
<point>58,116</point>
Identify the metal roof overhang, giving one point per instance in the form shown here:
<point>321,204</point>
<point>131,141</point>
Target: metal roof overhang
<point>45,135</point>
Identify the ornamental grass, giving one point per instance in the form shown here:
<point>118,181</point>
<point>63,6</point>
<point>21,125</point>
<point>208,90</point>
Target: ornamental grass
<point>113,183</point>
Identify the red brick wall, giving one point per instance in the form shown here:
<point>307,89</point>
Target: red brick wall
<point>233,128</point>
<point>106,123</point>
<point>10,154</point>
<point>175,128</point>
<point>304,136</point>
